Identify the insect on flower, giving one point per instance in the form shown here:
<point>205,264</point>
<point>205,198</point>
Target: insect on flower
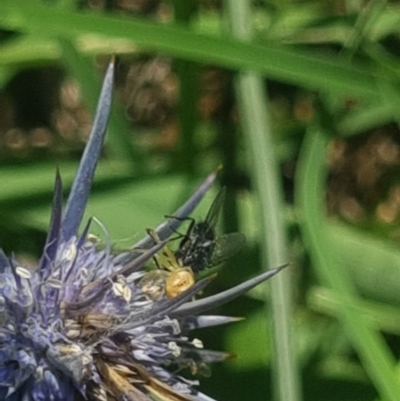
<point>170,277</point>
<point>201,248</point>
<point>80,326</point>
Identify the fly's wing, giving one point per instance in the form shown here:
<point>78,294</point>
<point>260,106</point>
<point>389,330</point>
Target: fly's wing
<point>226,246</point>
<point>213,213</point>
<point>202,231</point>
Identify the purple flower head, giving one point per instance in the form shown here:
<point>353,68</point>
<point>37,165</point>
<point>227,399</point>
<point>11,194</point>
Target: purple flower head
<point>89,324</point>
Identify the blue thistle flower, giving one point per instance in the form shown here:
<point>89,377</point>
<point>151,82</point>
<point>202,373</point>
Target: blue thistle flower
<point>81,324</point>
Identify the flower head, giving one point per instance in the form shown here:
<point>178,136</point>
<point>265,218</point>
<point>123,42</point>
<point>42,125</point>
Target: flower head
<point>86,323</point>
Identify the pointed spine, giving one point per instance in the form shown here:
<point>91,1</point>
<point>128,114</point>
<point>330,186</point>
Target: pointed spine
<point>201,305</point>
<point>83,180</point>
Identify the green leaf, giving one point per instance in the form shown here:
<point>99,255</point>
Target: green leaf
<point>374,264</point>
<point>285,63</point>
<point>369,344</point>
<point>382,317</point>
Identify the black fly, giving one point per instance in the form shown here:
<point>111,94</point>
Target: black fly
<point>201,248</point>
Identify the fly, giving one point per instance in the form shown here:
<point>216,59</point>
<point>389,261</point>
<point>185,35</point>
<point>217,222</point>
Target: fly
<point>201,247</point>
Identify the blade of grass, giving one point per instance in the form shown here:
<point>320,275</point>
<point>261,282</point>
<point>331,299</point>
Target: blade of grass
<point>373,263</point>
<point>382,316</point>
<point>370,346</point>
<point>275,61</point>
<point>252,108</point>
<point>368,118</point>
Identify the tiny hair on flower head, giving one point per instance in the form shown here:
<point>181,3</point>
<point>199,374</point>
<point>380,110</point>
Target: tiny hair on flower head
<point>90,324</point>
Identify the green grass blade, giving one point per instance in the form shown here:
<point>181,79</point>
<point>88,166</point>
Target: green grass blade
<point>381,316</point>
<point>373,263</point>
<point>371,348</point>
<point>252,108</point>
<point>273,60</point>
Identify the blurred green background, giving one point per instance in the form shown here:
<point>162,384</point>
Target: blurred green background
<point>298,100</point>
